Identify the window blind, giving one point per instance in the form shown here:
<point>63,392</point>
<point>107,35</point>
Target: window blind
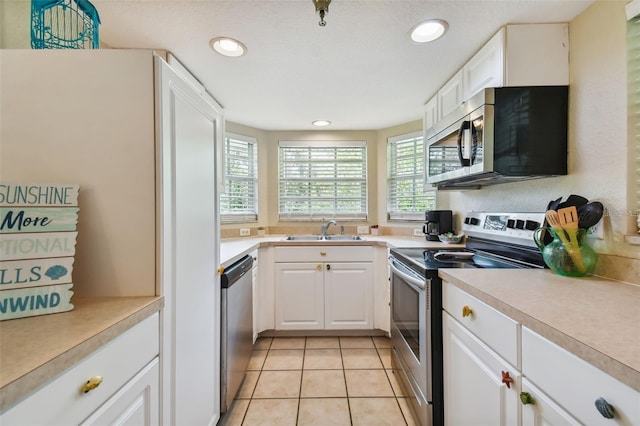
<point>633,91</point>
<point>406,198</point>
<point>239,203</point>
<point>322,180</point>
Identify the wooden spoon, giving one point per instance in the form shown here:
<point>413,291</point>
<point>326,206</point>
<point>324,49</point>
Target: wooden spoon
<point>569,221</point>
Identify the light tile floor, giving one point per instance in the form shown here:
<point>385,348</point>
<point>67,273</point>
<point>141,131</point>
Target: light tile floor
<point>320,381</point>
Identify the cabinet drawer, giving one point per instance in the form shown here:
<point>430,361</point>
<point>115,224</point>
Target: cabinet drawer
<point>324,254</point>
<point>574,384</point>
<point>497,330</point>
<point>62,402</point>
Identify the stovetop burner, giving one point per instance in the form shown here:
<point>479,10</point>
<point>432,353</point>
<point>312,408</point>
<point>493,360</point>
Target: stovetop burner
<point>434,259</point>
<point>494,241</point>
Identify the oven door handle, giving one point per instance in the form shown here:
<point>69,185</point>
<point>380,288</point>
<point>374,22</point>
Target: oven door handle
<point>417,284</point>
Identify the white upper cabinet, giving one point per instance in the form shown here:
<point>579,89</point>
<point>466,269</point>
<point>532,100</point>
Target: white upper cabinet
<point>430,116</point>
<point>517,55</point>
<point>485,68</point>
<point>520,55</point>
<point>450,96</point>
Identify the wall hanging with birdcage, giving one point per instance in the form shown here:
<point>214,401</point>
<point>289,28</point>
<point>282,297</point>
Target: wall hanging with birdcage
<point>64,24</point>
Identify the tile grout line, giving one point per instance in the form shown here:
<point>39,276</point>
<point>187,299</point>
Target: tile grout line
<point>344,376</point>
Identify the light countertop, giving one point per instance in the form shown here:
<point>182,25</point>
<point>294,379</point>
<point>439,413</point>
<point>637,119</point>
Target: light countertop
<point>233,249</point>
<point>596,319</point>
<point>35,350</point>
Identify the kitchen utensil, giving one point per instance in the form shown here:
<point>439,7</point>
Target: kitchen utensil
<point>553,204</point>
<point>573,200</point>
<point>569,221</point>
<point>453,255</point>
<point>590,214</point>
<point>553,218</point>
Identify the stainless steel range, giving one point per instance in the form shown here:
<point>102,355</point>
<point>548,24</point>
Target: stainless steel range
<point>494,240</point>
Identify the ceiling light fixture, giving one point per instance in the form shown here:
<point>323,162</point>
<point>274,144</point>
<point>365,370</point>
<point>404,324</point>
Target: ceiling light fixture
<point>322,7</point>
<point>321,123</point>
<point>429,30</point>
<point>228,46</point>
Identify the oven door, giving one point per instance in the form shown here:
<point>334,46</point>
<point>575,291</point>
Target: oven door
<point>411,326</point>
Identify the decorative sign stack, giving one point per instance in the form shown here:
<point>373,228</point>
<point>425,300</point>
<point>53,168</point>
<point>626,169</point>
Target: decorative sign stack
<point>37,244</point>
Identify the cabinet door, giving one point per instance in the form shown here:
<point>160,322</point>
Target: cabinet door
<point>299,296</point>
<point>136,404</point>
<point>486,67</point>
<point>348,295</point>
<point>430,117</point>
<point>542,410</point>
<point>575,384</point>
<point>189,240</point>
<point>473,387</point>
<point>449,98</point>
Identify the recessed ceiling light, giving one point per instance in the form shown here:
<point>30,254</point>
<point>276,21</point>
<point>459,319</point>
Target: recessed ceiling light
<point>321,123</point>
<point>429,30</point>
<point>228,46</point>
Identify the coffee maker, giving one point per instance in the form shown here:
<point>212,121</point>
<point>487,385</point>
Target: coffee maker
<point>437,222</point>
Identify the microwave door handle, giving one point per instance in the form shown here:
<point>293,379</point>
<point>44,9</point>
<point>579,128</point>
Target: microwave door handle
<point>474,143</point>
<point>418,285</point>
<point>464,126</point>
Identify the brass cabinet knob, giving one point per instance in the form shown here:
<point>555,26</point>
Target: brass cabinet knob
<point>91,384</point>
<point>526,398</point>
<point>323,253</point>
<point>319,267</point>
<point>466,311</point>
<point>220,270</point>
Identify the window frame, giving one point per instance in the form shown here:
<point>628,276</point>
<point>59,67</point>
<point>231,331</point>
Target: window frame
<point>248,215</point>
<point>392,202</point>
<point>361,180</point>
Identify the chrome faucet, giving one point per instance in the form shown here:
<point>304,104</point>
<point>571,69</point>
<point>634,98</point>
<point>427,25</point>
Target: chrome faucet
<point>325,226</point>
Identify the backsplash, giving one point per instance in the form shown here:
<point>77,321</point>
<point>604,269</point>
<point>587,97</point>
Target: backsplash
<point>618,268</point>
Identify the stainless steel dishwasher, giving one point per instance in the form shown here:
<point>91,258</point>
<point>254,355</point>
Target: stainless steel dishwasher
<point>236,337</point>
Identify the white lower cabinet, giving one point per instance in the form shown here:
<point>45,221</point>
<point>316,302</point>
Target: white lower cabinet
<point>550,386</point>
<point>127,395</point>
<point>317,290</point>
<point>136,404</point>
<point>474,376</point>
<point>299,296</point>
<point>348,296</point>
<point>540,410</point>
<point>576,387</point>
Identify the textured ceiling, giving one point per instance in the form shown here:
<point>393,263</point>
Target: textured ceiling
<point>360,72</point>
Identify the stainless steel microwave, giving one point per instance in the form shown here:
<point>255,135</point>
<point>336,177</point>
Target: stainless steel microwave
<point>500,135</point>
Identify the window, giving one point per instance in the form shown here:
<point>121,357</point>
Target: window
<point>323,180</point>
<point>406,197</point>
<point>239,203</point>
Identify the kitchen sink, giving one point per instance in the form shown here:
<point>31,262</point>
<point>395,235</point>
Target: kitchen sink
<point>344,238</point>
<point>303,238</point>
<point>321,238</point>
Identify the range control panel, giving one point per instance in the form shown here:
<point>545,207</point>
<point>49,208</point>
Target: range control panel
<point>517,228</point>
